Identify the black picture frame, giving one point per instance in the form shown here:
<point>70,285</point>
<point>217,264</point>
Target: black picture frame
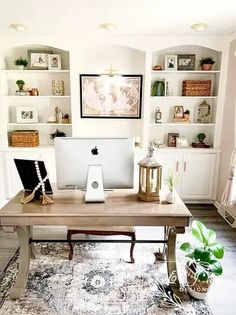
<point>104,96</point>
<point>186,62</point>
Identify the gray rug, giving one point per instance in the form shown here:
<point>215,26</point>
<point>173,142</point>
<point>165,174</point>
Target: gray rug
<point>97,281</point>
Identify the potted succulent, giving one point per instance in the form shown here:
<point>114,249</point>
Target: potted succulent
<point>203,260</point>
<point>187,113</point>
<point>21,63</point>
<point>201,137</point>
<point>20,84</point>
<point>65,119</point>
<point>206,63</point>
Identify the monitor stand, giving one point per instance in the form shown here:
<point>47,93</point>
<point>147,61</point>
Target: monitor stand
<point>94,190</point>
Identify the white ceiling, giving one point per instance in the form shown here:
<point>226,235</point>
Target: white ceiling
<point>132,17</point>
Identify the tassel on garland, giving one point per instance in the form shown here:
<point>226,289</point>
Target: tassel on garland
<point>46,200</point>
<point>28,198</point>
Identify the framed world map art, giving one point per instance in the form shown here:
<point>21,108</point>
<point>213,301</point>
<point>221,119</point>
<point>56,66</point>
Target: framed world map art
<point>110,96</point>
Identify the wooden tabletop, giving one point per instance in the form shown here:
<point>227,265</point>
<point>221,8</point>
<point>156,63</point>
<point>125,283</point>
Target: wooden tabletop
<point>121,208</point>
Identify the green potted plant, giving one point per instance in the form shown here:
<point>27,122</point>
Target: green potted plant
<point>203,260</point>
<point>206,63</point>
<point>57,133</point>
<point>20,84</point>
<point>65,119</point>
<point>21,63</point>
<point>187,113</point>
<point>201,137</point>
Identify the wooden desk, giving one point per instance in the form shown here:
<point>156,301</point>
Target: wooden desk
<point>120,208</point>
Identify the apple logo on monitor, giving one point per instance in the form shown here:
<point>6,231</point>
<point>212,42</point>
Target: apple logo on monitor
<point>94,151</point>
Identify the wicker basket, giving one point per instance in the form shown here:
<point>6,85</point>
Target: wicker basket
<point>196,88</point>
<point>24,138</point>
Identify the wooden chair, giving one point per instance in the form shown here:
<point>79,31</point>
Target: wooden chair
<point>101,230</point>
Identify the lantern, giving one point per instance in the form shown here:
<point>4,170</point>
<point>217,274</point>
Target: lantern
<point>149,177</point>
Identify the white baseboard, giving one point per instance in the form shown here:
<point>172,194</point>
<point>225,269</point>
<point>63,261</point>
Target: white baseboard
<point>217,204</point>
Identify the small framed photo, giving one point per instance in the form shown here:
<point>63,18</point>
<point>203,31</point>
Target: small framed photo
<point>54,62</point>
<point>178,111</point>
<point>38,59</point>
<point>172,139</point>
<point>171,62</point>
<point>186,62</point>
<point>26,114</point>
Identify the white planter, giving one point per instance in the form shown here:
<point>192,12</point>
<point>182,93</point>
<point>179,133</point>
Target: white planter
<point>20,67</point>
<point>170,198</point>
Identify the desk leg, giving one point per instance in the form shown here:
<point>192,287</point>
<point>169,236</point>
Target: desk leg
<point>171,261</point>
<point>22,276</point>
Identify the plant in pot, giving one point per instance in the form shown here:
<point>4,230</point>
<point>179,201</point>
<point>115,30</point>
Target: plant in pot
<point>171,181</point>
<point>21,63</point>
<point>20,84</point>
<point>65,119</point>
<point>201,137</point>
<point>203,260</point>
<point>206,63</point>
<point>57,133</point>
<point>187,113</point>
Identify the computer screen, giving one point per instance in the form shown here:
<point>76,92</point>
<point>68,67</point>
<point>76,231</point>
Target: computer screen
<point>80,159</point>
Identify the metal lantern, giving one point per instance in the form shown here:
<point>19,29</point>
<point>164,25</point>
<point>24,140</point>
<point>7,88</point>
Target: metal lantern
<point>149,177</point>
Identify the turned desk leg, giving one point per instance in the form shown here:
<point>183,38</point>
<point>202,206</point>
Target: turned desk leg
<point>171,261</point>
<point>22,276</point>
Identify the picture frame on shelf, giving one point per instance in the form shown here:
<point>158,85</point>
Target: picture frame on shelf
<point>110,97</point>
<point>54,62</point>
<point>26,114</point>
<point>38,59</point>
<point>172,139</point>
<point>182,142</point>
<point>178,111</point>
<point>171,62</point>
<point>186,62</point>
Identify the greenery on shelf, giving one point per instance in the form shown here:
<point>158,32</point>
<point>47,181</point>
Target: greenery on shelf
<point>57,133</point>
<point>204,259</point>
<point>201,137</point>
<point>206,60</point>
<point>21,62</point>
<point>20,84</point>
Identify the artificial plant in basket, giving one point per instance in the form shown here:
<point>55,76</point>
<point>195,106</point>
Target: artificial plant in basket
<point>203,260</point>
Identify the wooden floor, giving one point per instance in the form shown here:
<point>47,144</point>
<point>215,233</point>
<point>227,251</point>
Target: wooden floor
<point>222,294</point>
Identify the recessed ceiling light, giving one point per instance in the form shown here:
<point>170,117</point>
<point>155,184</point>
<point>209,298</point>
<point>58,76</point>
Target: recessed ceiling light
<point>18,27</point>
<point>108,26</point>
<point>199,27</point>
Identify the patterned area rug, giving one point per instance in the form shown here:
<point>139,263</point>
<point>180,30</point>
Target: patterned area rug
<point>97,281</point>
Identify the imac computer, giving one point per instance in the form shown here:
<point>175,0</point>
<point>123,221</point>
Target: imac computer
<point>94,164</point>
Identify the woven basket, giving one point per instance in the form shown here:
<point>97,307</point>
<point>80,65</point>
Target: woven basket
<point>196,88</point>
<point>24,138</point>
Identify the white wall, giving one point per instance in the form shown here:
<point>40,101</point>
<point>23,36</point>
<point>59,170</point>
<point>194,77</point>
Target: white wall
<point>228,127</point>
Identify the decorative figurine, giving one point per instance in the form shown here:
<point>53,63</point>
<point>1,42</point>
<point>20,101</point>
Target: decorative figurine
<point>204,113</point>
<point>158,116</point>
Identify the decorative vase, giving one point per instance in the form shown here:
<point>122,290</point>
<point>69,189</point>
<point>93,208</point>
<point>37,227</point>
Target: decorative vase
<point>197,288</point>
<point>58,88</point>
<point>170,198</point>
<point>207,67</point>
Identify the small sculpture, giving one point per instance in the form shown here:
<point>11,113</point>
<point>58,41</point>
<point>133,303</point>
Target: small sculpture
<point>204,113</point>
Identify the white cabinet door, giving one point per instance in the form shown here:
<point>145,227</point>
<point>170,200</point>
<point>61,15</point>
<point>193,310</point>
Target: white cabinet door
<point>171,161</point>
<point>198,176</point>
